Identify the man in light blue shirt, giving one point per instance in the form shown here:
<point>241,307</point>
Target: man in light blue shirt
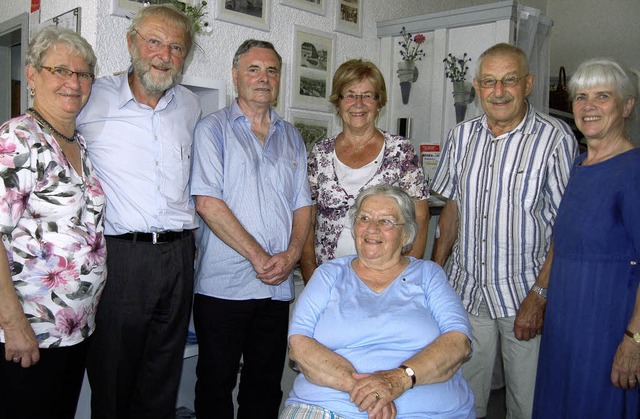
<point>250,185</point>
<point>139,131</point>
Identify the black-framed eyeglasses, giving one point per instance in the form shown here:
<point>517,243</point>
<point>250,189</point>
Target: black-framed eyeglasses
<point>155,45</point>
<point>508,81</point>
<point>382,223</point>
<point>365,97</point>
<point>85,77</point>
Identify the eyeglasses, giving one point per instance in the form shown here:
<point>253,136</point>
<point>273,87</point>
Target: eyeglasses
<point>365,97</point>
<point>385,224</point>
<point>509,81</point>
<point>62,73</point>
<point>154,45</point>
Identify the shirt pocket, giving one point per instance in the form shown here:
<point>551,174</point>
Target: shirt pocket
<point>525,187</point>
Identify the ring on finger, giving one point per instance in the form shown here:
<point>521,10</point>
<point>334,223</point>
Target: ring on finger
<point>376,395</point>
<point>16,359</point>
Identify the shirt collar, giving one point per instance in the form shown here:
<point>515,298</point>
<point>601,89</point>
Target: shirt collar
<point>527,125</point>
<point>236,113</point>
<point>125,95</point>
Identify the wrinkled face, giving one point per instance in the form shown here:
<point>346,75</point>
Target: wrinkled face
<point>257,78</point>
<point>59,96</point>
<point>505,107</point>
<point>374,242</point>
<point>154,56</point>
<point>359,106</point>
<point>599,112</point>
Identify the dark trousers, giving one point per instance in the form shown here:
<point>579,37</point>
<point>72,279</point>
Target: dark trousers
<point>49,389</point>
<point>227,330</point>
<point>135,358</point>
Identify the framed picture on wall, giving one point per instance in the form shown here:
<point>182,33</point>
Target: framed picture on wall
<point>251,13</point>
<point>313,56</point>
<point>318,7</point>
<point>349,17</point>
<point>312,126</point>
<point>128,8</point>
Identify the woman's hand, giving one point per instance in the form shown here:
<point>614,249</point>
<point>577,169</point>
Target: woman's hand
<point>21,344</point>
<point>625,371</point>
<point>374,392</point>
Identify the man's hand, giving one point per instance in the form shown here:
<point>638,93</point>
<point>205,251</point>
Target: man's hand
<point>530,317</point>
<point>277,268</point>
<point>21,345</point>
<point>626,365</point>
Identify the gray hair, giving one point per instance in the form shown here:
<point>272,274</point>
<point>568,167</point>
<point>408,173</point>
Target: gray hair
<point>171,15</point>
<point>50,37</point>
<point>503,49</point>
<point>253,43</point>
<point>405,205</point>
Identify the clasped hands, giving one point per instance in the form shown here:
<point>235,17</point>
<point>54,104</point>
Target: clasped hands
<point>376,392</point>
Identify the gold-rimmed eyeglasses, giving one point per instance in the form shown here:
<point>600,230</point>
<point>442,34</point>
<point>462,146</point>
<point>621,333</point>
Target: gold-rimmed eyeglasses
<point>155,45</point>
<point>365,97</point>
<point>62,73</point>
<point>508,81</point>
<point>385,224</point>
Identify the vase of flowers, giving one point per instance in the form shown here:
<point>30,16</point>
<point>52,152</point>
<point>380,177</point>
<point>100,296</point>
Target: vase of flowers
<point>410,51</point>
<point>455,69</point>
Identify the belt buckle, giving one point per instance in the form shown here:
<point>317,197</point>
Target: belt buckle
<point>154,237</point>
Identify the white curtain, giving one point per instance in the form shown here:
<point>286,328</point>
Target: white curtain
<point>532,36</point>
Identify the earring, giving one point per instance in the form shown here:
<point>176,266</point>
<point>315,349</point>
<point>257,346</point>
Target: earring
<point>32,91</point>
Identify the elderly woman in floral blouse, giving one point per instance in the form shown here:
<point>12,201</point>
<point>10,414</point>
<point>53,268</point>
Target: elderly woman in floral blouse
<point>52,249</point>
<point>359,157</point>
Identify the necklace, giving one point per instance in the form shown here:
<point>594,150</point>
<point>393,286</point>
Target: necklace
<point>356,149</point>
<point>43,122</point>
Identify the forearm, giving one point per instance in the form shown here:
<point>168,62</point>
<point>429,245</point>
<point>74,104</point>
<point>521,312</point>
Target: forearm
<point>422,218</point>
<point>438,361</point>
<point>320,365</point>
<point>448,226</point>
<point>299,231</point>
<point>308,262</point>
<point>219,218</point>
<point>11,312</point>
<point>543,276</point>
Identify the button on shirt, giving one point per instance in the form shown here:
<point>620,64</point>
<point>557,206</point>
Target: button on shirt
<point>261,185</point>
<point>507,190</point>
<point>142,155</point>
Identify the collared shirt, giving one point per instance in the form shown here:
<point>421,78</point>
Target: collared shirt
<point>507,190</point>
<point>142,155</point>
<point>261,185</point>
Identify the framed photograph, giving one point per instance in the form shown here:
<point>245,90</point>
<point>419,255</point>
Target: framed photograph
<point>313,56</point>
<point>251,13</point>
<point>127,8</point>
<point>312,126</point>
<point>349,17</point>
<point>318,7</point>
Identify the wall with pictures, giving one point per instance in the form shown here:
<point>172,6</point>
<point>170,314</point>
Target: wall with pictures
<point>212,58</point>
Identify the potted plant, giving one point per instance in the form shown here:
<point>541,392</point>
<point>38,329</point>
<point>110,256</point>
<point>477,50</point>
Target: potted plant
<point>410,51</point>
<point>455,69</point>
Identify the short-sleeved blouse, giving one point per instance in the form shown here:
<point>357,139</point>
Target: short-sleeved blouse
<point>51,220</point>
<point>400,167</point>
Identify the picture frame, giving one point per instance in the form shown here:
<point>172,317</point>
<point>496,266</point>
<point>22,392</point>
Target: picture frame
<point>318,7</point>
<point>127,8</point>
<point>251,13</point>
<point>349,17</point>
<point>311,126</point>
<point>312,72</point>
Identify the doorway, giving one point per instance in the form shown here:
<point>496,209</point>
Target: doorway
<point>14,38</point>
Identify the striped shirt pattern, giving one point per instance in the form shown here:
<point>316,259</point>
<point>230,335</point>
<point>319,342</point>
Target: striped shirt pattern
<point>507,190</point>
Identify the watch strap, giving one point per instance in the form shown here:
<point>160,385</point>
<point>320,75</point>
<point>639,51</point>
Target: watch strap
<point>542,292</point>
<point>410,373</point>
<point>634,336</point>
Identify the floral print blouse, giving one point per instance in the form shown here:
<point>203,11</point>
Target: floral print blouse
<point>51,220</point>
<point>400,167</point>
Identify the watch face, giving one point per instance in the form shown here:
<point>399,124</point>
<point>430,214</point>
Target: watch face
<point>636,337</point>
<point>410,372</point>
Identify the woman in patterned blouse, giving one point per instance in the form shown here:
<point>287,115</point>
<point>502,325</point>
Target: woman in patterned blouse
<point>52,252</point>
<point>359,157</point>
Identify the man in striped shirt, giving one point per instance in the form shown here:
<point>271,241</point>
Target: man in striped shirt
<point>503,174</point>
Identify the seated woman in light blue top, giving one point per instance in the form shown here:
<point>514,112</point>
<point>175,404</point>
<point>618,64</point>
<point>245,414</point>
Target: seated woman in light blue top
<point>379,335</point>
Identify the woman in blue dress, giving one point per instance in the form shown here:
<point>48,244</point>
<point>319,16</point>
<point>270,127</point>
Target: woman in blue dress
<point>589,362</point>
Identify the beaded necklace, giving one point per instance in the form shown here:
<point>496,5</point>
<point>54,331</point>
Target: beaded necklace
<point>43,122</point>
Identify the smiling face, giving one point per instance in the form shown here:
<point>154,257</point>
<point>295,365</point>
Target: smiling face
<point>358,114</point>
<point>257,77</point>
<point>505,106</point>
<point>57,98</point>
<point>599,112</point>
<point>156,71</point>
<point>374,244</point>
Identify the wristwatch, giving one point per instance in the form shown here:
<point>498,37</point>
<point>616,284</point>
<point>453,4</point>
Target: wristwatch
<point>634,336</point>
<point>410,374</point>
<point>542,292</point>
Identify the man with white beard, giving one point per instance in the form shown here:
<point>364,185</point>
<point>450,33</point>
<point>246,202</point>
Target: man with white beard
<point>139,130</point>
